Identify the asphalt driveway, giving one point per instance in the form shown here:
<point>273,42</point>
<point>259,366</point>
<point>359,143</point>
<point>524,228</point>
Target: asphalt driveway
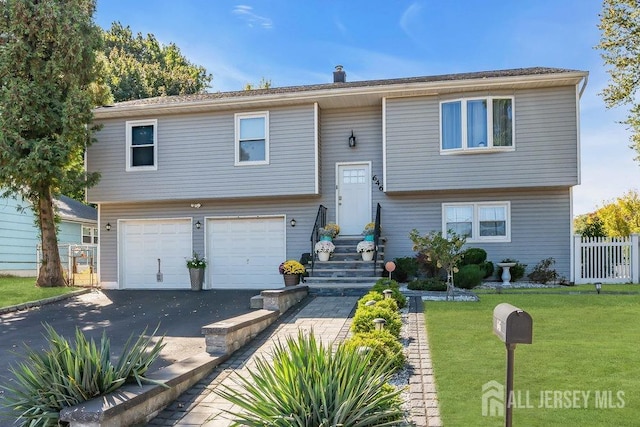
<point>180,316</point>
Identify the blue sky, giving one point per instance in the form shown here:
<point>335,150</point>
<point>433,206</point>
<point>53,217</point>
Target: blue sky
<point>300,42</point>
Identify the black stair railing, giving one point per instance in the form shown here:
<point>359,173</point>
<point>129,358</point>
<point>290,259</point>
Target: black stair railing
<point>376,238</point>
<point>321,221</point>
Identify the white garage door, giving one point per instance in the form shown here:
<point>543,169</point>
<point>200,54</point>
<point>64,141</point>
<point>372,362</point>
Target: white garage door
<point>245,252</point>
<point>144,242</point>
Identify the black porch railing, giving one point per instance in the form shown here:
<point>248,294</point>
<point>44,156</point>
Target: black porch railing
<point>321,221</point>
<point>376,238</point>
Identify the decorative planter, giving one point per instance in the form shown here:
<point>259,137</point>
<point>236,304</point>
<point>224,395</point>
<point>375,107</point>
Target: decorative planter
<point>368,237</point>
<point>327,238</point>
<point>367,256</point>
<point>197,278</point>
<point>323,256</point>
<point>506,274</point>
<point>291,279</point>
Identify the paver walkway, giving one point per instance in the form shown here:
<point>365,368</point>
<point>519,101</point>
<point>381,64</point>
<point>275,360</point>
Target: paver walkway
<point>330,319</point>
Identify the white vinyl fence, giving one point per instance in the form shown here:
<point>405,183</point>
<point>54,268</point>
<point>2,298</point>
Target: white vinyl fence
<point>607,259</point>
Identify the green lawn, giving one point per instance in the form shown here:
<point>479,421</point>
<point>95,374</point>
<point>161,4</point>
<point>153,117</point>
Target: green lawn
<point>18,290</point>
<point>585,346</point>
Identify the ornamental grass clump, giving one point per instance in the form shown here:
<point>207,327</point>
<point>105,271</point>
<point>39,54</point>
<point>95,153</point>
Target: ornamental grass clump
<point>66,375</point>
<point>308,384</point>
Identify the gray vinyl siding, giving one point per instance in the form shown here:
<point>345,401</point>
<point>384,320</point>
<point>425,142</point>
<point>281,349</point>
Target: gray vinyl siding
<point>540,224</point>
<point>336,129</point>
<point>196,159</point>
<point>546,148</point>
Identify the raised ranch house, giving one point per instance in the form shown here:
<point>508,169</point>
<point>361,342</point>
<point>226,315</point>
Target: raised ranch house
<point>492,154</point>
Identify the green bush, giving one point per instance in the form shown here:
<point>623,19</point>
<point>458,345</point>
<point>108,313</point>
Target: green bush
<point>488,268</point>
<point>543,271</point>
<point>382,284</point>
<point>308,384</point>
<point>468,276</point>
<point>429,284</point>
<point>517,271</point>
<point>382,345</point>
<point>370,296</point>
<point>406,268</point>
<point>363,320</point>
<point>66,375</point>
<point>474,256</point>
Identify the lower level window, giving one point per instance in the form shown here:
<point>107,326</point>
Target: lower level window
<point>480,221</point>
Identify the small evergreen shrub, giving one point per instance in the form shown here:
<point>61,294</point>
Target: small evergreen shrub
<point>363,320</point>
<point>474,256</point>
<point>406,268</point>
<point>429,284</point>
<point>382,284</point>
<point>370,296</point>
<point>543,271</point>
<point>308,384</point>
<point>469,276</point>
<point>382,345</point>
<point>488,268</point>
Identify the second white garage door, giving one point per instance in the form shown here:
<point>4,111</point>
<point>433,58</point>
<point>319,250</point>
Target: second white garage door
<point>244,253</point>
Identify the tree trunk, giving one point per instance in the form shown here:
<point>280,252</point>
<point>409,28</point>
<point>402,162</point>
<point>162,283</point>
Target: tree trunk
<point>50,270</point>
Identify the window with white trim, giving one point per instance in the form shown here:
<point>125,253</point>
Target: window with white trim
<point>476,124</point>
<point>479,222</point>
<point>142,145</point>
<point>252,138</point>
<point>89,235</point>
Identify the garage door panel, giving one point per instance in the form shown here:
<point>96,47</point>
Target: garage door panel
<point>245,252</point>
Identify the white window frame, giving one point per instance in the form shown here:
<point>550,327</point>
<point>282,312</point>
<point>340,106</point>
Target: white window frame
<point>475,225</point>
<point>253,115</point>
<point>489,148</point>
<point>129,143</point>
<point>93,234</point>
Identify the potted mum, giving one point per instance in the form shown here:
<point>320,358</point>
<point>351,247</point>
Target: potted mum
<point>196,266</point>
<point>324,249</point>
<point>369,231</point>
<point>291,271</point>
<point>366,249</point>
<point>329,231</point>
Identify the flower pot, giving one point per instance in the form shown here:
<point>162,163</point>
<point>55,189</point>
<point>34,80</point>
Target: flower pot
<point>327,238</point>
<point>369,237</point>
<point>291,279</point>
<point>367,256</point>
<point>323,256</point>
<point>197,278</point>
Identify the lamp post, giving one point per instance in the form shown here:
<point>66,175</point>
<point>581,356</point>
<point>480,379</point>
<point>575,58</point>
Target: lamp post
<point>598,286</point>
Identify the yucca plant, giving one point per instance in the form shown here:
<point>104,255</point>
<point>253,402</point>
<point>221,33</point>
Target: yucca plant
<point>306,384</point>
<point>66,374</point>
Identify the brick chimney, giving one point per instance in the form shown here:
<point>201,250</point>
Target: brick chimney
<point>339,76</point>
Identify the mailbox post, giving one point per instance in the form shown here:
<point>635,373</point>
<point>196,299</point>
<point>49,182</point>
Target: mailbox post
<point>513,326</point>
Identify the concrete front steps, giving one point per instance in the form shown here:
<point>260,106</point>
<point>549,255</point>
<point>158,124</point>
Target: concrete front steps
<point>345,268</point>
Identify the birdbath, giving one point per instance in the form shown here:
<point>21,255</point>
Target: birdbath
<point>506,274</point>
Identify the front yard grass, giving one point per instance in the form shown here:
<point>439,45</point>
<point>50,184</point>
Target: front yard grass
<point>18,290</point>
<point>582,343</point>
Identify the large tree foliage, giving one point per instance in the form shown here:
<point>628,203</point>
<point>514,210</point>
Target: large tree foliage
<point>620,45</point>
<point>618,218</point>
<point>137,67</point>
<point>46,67</point>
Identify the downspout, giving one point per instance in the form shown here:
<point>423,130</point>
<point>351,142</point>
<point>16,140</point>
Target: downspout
<point>584,86</point>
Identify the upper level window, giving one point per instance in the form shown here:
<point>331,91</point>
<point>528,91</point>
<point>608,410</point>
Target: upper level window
<point>485,221</point>
<point>89,235</point>
<point>142,150</point>
<point>252,139</point>
<point>476,124</point>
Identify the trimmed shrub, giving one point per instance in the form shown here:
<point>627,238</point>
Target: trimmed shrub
<point>370,296</point>
<point>474,256</point>
<point>430,284</point>
<point>308,384</point>
<point>543,271</point>
<point>363,320</point>
<point>468,276</point>
<point>67,375</point>
<point>488,268</point>
<point>382,345</point>
<point>383,284</point>
<point>406,268</point>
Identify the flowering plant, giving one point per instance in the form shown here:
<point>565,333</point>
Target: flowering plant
<point>369,229</point>
<point>325,246</point>
<point>331,229</point>
<point>196,262</point>
<point>291,267</point>
<point>365,246</point>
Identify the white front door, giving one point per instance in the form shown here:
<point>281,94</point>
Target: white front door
<point>353,198</point>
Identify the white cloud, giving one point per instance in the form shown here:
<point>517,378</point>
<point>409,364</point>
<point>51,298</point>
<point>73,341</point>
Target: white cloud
<point>252,19</point>
<point>410,19</point>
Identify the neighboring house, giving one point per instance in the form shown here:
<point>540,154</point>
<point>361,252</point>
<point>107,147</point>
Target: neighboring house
<point>493,154</point>
<point>20,237</point>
